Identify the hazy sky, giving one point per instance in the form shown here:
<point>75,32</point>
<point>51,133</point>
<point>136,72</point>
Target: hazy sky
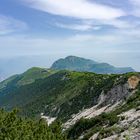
<point>103,30</point>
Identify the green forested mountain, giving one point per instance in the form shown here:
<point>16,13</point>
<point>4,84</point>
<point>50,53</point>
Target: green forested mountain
<point>81,64</point>
<point>73,63</point>
<point>79,100</point>
<point>63,89</point>
<point>55,93</point>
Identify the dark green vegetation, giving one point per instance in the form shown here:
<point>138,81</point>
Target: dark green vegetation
<point>81,64</point>
<point>15,128</point>
<point>93,125</point>
<point>60,94</point>
<point>55,93</point>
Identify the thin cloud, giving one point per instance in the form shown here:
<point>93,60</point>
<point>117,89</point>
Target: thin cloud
<point>136,7</point>
<point>98,25</point>
<point>99,14</point>
<point>78,27</point>
<point>10,25</point>
<point>81,9</point>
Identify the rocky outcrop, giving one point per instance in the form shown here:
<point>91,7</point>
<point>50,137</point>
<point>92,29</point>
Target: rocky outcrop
<point>49,119</point>
<point>133,82</point>
<point>130,125</point>
<point>107,101</point>
<point>116,94</point>
<point>119,92</point>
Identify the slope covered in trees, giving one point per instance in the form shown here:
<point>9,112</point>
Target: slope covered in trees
<point>63,90</point>
<point>16,128</point>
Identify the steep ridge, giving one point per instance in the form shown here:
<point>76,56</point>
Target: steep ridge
<point>80,64</point>
<point>112,118</point>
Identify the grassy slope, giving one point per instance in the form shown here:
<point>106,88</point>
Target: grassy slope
<point>14,84</point>
<point>34,73</point>
<point>27,77</point>
<point>4,83</point>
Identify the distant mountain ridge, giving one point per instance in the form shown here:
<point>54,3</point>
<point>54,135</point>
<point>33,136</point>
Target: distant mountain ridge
<point>81,64</point>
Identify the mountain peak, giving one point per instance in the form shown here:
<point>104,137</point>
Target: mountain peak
<point>75,63</point>
<point>71,57</point>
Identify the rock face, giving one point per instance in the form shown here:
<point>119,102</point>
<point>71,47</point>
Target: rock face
<point>131,124</point>
<point>120,92</point>
<point>112,98</point>
<point>116,94</point>
<point>107,101</point>
<point>119,96</point>
<point>133,82</point>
